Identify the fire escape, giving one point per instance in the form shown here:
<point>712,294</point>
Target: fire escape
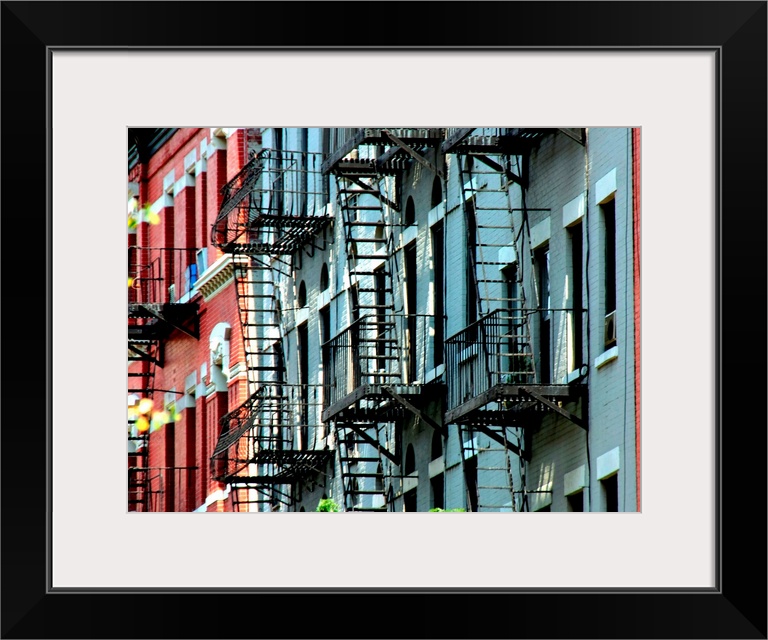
<point>498,367</point>
<point>159,302</point>
<point>371,390</point>
<point>272,210</point>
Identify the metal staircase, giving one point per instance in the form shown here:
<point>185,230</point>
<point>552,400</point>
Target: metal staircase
<point>154,312</point>
<point>495,389</point>
<point>271,211</point>
<point>369,243</point>
<point>372,389</point>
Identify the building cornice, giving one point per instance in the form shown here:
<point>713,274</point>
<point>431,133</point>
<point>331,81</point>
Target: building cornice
<point>218,275</point>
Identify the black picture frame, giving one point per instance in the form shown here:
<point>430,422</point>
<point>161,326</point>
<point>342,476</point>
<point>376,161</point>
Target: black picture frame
<point>735,609</point>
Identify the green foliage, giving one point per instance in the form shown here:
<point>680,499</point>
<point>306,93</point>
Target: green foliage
<point>438,510</point>
<point>327,505</point>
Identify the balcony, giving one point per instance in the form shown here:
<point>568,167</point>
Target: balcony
<point>161,288</point>
<point>275,205</point>
<point>495,140</point>
<point>161,489</point>
<point>271,439</point>
<point>386,155</point>
<point>505,367</point>
<point>375,369</point>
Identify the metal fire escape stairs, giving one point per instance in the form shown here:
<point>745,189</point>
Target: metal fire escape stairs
<point>264,220</point>
<point>367,421</point>
<point>363,442</point>
<point>500,339</point>
<point>152,316</point>
<point>144,346</point>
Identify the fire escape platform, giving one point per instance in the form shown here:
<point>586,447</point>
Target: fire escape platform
<point>346,408</point>
<point>514,403</point>
<point>516,142</point>
<point>165,317</point>
<point>291,466</point>
<point>415,137</point>
<point>295,232</point>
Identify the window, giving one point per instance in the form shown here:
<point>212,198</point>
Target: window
<point>437,446</point>
<point>470,473</point>
<point>438,291</point>
<point>609,280</point>
<point>576,501</point>
<point>470,260</point>
<point>410,292</point>
<point>541,256</point>
<point>325,356</point>
<point>303,169</point>
<point>410,213</point>
<point>380,281</point>
<point>577,275</point>
<point>610,490</point>
<point>324,279</point>
<point>302,297</point>
<point>326,178</point>
<point>516,367</point>
<point>409,497</point>
<point>303,333</point>
<point>437,482</point>
<point>609,273</point>
<point>437,192</point>
<point>437,491</point>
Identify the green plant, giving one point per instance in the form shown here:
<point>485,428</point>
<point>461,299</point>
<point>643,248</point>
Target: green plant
<point>326,504</point>
<point>439,510</point>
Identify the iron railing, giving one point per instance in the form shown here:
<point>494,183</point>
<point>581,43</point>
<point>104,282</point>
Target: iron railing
<point>366,352</point>
<point>518,346</point>
<point>276,193</point>
<point>159,275</point>
<point>382,349</point>
<point>162,489</point>
<point>279,417</point>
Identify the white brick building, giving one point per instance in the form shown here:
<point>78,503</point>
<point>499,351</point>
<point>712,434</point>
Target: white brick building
<point>435,318</point>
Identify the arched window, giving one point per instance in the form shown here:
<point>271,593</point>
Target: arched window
<point>324,279</point>
<point>410,212</point>
<point>302,295</point>
<point>410,460</point>
<point>437,445</point>
<point>437,192</point>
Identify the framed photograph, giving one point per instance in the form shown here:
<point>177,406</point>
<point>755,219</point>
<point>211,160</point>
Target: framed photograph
<point>675,97</point>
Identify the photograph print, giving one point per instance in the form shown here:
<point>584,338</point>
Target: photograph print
<point>383,319</point>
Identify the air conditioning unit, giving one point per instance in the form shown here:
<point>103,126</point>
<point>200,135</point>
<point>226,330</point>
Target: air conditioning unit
<point>610,329</point>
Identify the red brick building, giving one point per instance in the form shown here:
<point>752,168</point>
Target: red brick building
<point>184,332</point>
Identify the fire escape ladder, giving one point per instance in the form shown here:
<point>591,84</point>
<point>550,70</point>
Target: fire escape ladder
<point>272,209</point>
<point>260,321</point>
<point>360,453</point>
<point>495,349</point>
<point>364,433</point>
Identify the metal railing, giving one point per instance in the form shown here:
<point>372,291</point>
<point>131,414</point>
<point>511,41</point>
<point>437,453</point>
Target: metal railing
<point>340,136</point>
<point>159,275</point>
<point>273,192</point>
<point>278,417</point>
<point>379,350</point>
<point>162,489</point>
<point>366,352</point>
<point>512,346</point>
